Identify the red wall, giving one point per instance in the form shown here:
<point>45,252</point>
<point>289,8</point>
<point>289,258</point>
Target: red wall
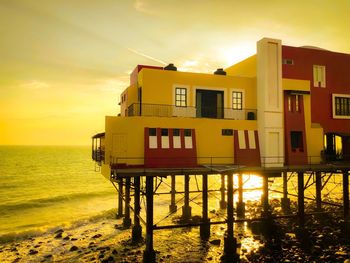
<point>248,156</point>
<point>294,121</point>
<point>337,81</point>
<point>171,157</point>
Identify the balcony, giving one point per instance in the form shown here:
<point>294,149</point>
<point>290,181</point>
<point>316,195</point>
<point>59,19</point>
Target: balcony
<point>161,110</point>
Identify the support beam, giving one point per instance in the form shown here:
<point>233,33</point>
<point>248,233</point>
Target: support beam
<point>301,210</point>
<point>230,242</point>
<point>149,255</point>
<point>127,219</point>
<point>223,203</point>
<point>186,209</point>
<point>172,206</point>
<point>205,229</point>
<point>136,229</point>
<point>120,198</point>
<point>346,194</point>
<point>265,196</point>
<point>240,203</point>
<point>318,191</point>
<point>285,201</point>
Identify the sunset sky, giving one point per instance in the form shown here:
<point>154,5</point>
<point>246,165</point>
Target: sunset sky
<point>64,63</point>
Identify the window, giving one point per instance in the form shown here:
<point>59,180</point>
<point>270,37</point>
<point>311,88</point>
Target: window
<point>188,133</point>
<point>226,132</point>
<point>152,132</point>
<point>176,132</point>
<point>296,102</point>
<point>296,138</point>
<point>180,97</point>
<point>289,103</point>
<point>319,73</point>
<point>164,132</point>
<point>237,100</point>
<point>288,61</point>
<point>341,106</point>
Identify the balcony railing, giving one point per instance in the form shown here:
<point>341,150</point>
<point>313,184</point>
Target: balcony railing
<point>160,110</point>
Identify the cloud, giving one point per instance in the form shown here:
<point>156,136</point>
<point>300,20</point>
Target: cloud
<point>35,85</point>
<point>114,85</point>
<point>140,6</point>
<point>146,56</point>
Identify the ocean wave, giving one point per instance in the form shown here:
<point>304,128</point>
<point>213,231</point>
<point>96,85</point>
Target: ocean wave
<point>49,201</point>
<point>39,230</point>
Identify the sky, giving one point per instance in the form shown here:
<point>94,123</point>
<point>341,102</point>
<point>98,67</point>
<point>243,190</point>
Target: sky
<point>64,63</point>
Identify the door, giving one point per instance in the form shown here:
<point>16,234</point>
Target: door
<point>210,103</point>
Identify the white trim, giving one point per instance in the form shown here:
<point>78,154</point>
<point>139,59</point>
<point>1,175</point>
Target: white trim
<point>153,142</point>
<point>241,140</point>
<point>165,142</point>
<point>176,142</point>
<point>209,88</point>
<point>251,139</point>
<point>333,106</point>
<point>231,97</point>
<point>182,86</point>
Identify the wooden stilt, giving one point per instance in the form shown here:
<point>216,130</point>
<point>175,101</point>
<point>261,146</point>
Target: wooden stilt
<point>127,219</point>
<point>223,203</point>
<point>186,209</point>
<point>240,203</point>
<point>205,228</point>
<point>136,229</point>
<point>149,254</point>
<point>265,196</point>
<point>346,194</point>
<point>301,211</point>
<point>318,192</point>
<point>230,243</point>
<point>285,201</point>
<point>172,206</point>
<point>120,198</point>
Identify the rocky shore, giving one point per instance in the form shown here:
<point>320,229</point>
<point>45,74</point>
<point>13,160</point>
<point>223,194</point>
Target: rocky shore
<point>324,238</point>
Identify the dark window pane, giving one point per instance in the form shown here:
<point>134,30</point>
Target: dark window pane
<point>176,132</point>
<point>164,132</point>
<point>152,132</point>
<point>188,132</point>
<point>227,132</point>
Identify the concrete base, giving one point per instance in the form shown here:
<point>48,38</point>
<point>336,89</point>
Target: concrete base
<point>126,222</point>
<point>172,208</point>
<point>240,208</point>
<point>223,204</point>
<point>149,256</point>
<point>186,212</point>
<point>136,233</point>
<point>204,230</point>
<point>285,204</point>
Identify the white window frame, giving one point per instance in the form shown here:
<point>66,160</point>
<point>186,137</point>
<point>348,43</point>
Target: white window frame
<point>180,86</point>
<point>319,76</point>
<point>335,116</point>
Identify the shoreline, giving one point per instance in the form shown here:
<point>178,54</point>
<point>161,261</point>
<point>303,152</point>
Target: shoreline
<point>104,240</point>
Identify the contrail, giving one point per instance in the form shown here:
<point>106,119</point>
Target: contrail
<point>146,56</point>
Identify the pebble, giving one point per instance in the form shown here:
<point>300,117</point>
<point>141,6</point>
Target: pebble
<point>97,236</point>
<point>66,238</point>
<point>59,235</point>
<point>215,242</point>
<point>73,248</point>
<point>33,252</point>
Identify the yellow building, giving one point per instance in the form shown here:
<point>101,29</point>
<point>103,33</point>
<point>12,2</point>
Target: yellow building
<point>248,114</point>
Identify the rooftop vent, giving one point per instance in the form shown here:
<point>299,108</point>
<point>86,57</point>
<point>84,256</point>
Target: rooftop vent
<point>170,67</point>
<point>220,71</point>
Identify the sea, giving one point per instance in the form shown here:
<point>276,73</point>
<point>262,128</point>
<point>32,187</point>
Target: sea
<point>42,187</point>
<point>47,187</point>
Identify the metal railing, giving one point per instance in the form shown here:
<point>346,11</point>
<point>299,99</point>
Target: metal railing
<point>161,110</point>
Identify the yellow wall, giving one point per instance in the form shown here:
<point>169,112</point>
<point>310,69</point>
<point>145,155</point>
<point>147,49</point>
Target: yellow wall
<point>295,84</point>
<point>245,68</point>
<point>132,128</point>
<point>158,86</point>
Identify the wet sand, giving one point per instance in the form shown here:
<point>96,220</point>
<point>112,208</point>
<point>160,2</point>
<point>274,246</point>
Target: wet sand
<point>322,240</point>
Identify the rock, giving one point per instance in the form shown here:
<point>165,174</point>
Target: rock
<point>66,238</point>
<point>59,235</point>
<point>73,248</point>
<point>48,256</point>
<point>215,242</point>
<point>101,256</point>
<point>97,236</point>
<point>74,239</point>
<point>110,259</point>
<point>33,252</point>
<point>114,252</point>
<point>59,231</point>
